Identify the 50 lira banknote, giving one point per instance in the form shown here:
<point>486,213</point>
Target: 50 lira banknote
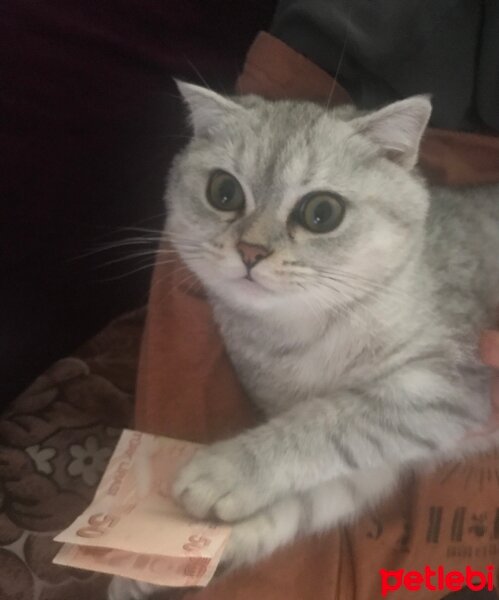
<point>133,527</point>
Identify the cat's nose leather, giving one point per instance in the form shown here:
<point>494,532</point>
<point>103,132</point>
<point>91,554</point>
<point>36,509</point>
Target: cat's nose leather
<point>251,254</point>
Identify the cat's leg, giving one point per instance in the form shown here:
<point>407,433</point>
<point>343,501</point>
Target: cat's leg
<point>319,509</point>
<point>320,440</point>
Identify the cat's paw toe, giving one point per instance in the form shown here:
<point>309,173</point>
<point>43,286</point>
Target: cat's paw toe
<point>215,484</point>
<point>260,535</point>
<point>250,540</point>
<point>202,483</point>
<point>236,505</point>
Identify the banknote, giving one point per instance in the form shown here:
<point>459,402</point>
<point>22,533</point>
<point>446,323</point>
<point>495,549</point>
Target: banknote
<point>134,528</point>
<point>171,571</point>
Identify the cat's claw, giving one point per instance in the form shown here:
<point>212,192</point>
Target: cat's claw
<point>217,483</point>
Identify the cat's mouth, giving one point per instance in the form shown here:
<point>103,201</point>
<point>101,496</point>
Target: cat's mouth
<point>250,284</point>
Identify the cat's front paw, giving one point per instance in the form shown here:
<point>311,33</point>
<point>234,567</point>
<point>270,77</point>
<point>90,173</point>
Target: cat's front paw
<point>222,481</point>
<point>260,535</point>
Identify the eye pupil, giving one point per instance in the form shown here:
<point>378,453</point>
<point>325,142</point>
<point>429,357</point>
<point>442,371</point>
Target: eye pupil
<point>322,213</point>
<point>226,191</point>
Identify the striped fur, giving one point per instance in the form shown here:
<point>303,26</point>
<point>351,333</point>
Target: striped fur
<point>360,345</point>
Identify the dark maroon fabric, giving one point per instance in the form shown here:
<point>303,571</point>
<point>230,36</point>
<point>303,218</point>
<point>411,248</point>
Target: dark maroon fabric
<point>89,119</point>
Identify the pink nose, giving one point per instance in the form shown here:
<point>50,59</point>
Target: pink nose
<point>251,254</point>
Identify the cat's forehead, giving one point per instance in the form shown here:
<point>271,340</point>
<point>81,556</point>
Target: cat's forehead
<point>286,143</point>
<point>281,127</point>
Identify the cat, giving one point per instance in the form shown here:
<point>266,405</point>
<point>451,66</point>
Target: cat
<point>350,295</point>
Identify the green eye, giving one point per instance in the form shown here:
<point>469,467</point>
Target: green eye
<point>320,212</point>
<point>224,192</point>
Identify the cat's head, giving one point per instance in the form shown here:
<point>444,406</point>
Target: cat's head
<point>280,203</point>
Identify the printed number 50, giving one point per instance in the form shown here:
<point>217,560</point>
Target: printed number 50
<point>196,543</point>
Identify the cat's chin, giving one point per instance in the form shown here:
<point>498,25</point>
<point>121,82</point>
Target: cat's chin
<point>242,292</point>
<point>243,285</point>
<point>253,295</point>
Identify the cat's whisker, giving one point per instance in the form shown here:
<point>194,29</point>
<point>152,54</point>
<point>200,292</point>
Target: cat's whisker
<point>157,260</point>
<point>141,228</point>
<point>128,257</point>
<point>327,307</point>
<point>129,273</point>
<point>167,262</point>
<point>186,245</point>
<point>344,287</point>
<point>166,237</point>
<point>112,246</point>
<point>172,275</point>
<point>118,230</point>
<point>316,310</point>
<point>197,72</point>
<point>373,292</point>
<point>167,251</point>
<point>203,253</point>
<point>153,253</point>
<point>341,58</point>
<point>367,280</point>
<point>372,284</point>
<point>133,238</point>
<point>182,240</point>
<point>317,279</point>
<point>353,286</point>
<point>344,305</point>
<point>182,282</point>
<point>340,293</point>
<point>370,287</point>
<point>191,286</point>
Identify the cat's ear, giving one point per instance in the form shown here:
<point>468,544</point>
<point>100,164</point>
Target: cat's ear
<point>206,107</point>
<point>398,128</point>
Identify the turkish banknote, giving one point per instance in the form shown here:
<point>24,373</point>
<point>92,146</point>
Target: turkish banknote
<point>133,527</point>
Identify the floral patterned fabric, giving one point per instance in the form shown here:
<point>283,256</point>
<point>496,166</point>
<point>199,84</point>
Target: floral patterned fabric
<point>55,441</point>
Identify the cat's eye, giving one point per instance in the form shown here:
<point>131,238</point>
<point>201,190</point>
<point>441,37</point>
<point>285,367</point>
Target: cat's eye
<point>224,192</point>
<point>320,212</point>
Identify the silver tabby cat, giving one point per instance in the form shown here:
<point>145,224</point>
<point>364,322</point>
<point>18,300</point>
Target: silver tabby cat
<point>350,296</point>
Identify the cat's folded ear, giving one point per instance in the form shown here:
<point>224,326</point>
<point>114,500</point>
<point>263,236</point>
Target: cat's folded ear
<point>398,128</point>
<point>206,107</point>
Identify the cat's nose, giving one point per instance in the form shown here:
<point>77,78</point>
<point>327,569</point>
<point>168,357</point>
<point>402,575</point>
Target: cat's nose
<point>251,254</point>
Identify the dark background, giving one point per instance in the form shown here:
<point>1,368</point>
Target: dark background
<point>89,119</point>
